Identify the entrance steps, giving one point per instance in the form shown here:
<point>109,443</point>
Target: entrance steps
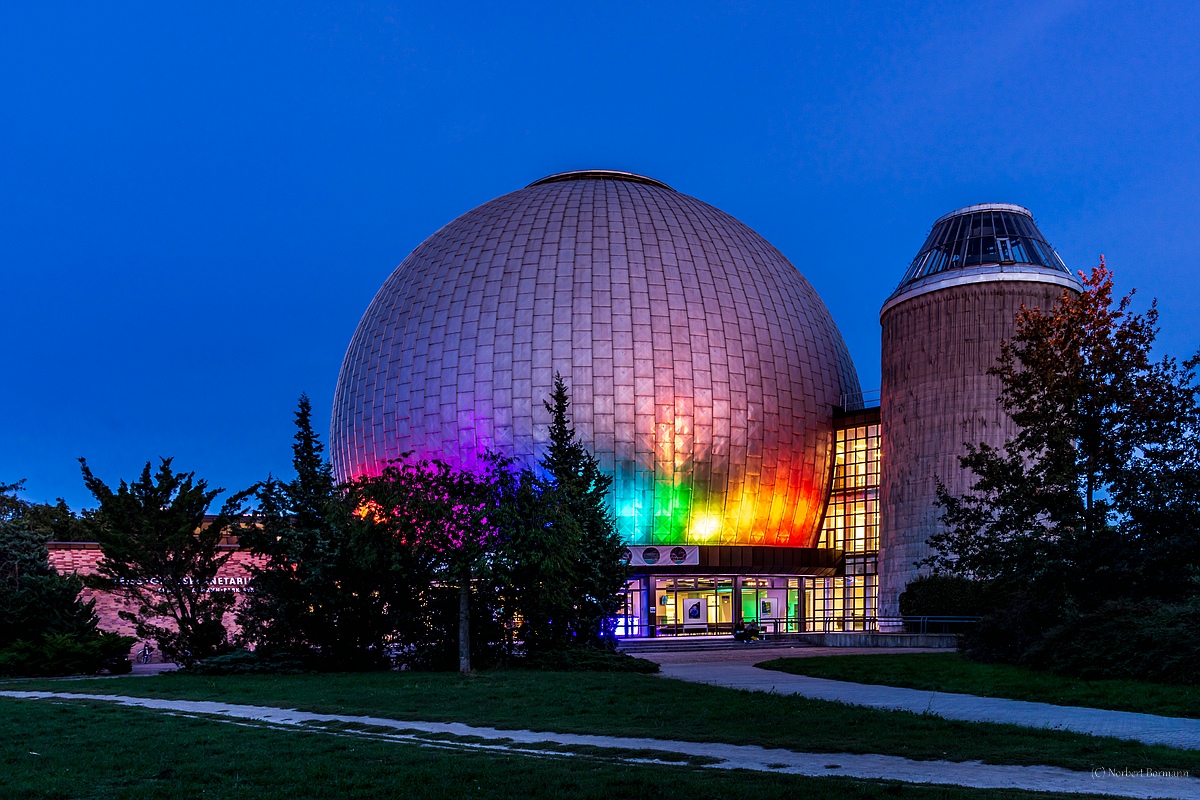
<point>684,644</point>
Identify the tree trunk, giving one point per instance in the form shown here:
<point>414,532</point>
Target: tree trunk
<point>464,622</point>
<point>1091,488</point>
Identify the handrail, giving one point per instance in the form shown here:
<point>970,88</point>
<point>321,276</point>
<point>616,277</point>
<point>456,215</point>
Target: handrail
<point>632,626</point>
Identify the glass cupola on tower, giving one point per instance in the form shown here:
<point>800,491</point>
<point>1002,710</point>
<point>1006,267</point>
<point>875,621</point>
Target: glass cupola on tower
<point>992,233</point>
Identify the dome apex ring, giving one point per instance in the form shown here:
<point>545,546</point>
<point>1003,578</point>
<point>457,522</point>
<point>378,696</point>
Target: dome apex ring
<point>599,175</point>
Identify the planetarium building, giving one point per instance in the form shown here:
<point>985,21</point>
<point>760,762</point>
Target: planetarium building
<point>709,379</point>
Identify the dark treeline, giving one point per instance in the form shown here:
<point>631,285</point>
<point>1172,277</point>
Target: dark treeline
<point>427,566</point>
<point>424,566</point>
<point>44,628</point>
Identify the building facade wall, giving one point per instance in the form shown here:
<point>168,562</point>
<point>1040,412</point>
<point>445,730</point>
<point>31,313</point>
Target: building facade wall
<point>83,558</point>
<point>935,395</point>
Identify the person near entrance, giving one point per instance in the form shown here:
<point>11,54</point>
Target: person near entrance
<point>745,633</point>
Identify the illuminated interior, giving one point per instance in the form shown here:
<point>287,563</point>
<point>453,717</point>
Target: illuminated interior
<point>851,525</point>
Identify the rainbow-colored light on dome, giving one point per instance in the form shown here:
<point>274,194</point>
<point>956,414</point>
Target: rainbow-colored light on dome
<point>703,367</point>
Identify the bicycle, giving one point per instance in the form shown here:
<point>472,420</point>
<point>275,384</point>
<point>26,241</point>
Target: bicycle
<point>143,657</point>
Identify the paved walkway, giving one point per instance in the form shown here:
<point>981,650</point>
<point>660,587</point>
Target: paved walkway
<point>736,671</point>
<point>708,755</point>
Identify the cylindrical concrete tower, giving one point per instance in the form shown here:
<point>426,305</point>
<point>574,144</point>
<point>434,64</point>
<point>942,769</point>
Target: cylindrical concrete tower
<point>942,330</point>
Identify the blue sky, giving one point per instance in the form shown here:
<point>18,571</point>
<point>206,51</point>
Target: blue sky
<point>197,203</point>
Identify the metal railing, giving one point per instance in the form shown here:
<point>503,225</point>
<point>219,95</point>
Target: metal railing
<point>934,624</point>
<point>902,624</point>
<point>857,401</point>
<point>632,627</point>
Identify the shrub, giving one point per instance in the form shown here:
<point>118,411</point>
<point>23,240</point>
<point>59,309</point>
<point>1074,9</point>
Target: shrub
<point>1140,642</point>
<point>67,654</point>
<point>45,629</point>
<point>943,596</point>
<point>430,637</point>
<point>1020,615</point>
<point>249,662</point>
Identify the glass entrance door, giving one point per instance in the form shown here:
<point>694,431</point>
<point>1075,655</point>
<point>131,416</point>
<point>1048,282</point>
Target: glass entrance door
<point>694,605</point>
<point>773,603</point>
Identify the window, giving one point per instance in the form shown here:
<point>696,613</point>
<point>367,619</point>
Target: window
<point>1004,251</point>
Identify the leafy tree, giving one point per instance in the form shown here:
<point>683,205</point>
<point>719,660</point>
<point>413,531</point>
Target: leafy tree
<point>55,523</point>
<point>1099,481</point>
<point>161,552</point>
<point>45,629</point>
<point>440,518</point>
<point>426,556</point>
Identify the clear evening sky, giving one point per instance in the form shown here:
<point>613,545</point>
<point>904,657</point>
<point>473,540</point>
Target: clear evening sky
<point>197,204</point>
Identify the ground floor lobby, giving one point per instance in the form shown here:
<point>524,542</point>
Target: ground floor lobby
<point>711,605</point>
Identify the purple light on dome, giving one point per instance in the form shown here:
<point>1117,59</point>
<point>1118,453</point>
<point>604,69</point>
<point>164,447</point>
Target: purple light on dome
<point>703,368</point>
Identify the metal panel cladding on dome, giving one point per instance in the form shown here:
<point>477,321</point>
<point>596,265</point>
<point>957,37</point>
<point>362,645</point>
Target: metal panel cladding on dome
<point>703,368</point>
<point>995,233</point>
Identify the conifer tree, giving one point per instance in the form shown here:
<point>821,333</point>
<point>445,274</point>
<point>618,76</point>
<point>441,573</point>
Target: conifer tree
<point>45,628</point>
<point>313,598</point>
<point>161,553</point>
<point>575,496</point>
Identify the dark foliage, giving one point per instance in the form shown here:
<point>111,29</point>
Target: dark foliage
<point>1094,506</point>
<point>321,595</point>
<point>438,524</point>
<point>1140,641</point>
<point>160,552</point>
<point>248,662</point>
<point>1016,622</point>
<point>432,643</point>
<point>44,627</point>
<point>944,596</point>
<point>428,566</point>
<point>54,654</point>
<point>565,554</point>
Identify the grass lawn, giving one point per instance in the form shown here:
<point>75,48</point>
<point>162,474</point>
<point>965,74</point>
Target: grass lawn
<point>625,704</point>
<point>92,750</point>
<point>950,672</point>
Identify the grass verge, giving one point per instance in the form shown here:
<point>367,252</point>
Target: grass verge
<point>92,750</point>
<point>622,704</point>
<point>950,672</point>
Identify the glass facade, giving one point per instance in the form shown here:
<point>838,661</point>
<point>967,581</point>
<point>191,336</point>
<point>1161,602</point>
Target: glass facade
<point>711,604</point>
<point>850,603</point>
<point>682,605</point>
<point>852,517</point>
<point>993,236</point>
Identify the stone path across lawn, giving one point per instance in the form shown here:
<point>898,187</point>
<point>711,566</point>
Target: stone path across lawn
<point>707,755</point>
<point>1148,728</point>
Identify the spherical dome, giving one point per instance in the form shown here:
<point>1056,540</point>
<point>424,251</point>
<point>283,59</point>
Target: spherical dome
<point>703,368</point>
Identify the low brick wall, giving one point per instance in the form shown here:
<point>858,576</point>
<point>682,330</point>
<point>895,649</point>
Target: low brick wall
<point>83,558</point>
